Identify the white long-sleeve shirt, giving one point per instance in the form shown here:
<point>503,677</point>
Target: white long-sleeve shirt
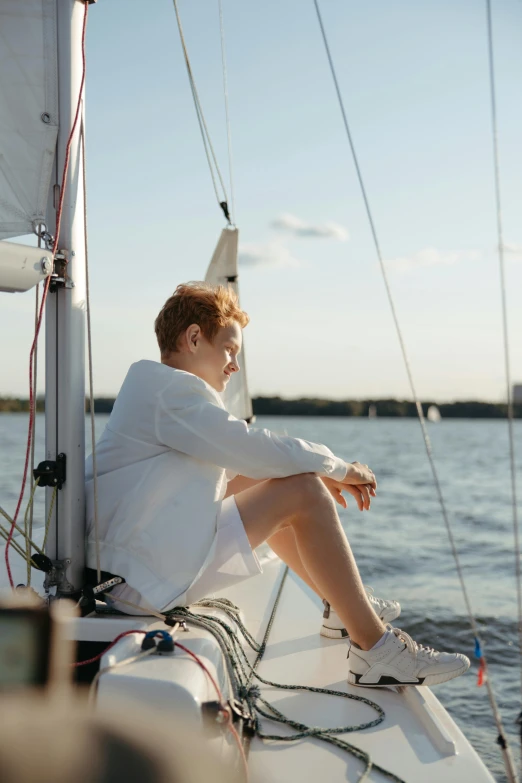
<point>163,462</point>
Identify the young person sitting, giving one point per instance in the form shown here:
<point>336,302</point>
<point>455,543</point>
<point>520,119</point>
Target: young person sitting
<point>186,493</point>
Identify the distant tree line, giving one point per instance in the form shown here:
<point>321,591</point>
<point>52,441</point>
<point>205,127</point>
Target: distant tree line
<point>310,406</point>
<point>276,406</point>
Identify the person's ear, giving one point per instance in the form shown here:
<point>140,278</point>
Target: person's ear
<point>193,337</point>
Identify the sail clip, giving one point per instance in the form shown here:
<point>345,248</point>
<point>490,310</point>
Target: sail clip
<point>60,278</point>
<point>224,207</point>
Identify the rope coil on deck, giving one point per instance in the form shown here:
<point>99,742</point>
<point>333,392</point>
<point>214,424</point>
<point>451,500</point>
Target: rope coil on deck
<point>242,673</point>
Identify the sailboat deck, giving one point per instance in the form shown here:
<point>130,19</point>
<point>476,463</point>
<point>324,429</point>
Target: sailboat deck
<point>417,740</point>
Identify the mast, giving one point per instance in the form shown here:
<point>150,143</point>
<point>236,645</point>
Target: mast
<point>65,323</point>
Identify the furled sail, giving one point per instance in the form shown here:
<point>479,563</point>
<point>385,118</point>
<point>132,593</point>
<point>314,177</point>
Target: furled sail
<point>29,115</point>
<point>223,271</point>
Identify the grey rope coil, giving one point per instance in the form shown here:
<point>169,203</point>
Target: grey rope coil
<point>494,707</point>
<point>242,673</point>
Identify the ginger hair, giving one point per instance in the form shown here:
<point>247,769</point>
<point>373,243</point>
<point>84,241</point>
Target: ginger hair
<point>210,307</point>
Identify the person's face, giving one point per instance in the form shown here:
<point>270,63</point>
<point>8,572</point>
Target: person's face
<point>215,361</point>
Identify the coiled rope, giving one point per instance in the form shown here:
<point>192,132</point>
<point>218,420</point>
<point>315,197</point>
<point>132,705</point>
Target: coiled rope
<point>502,740</point>
<point>241,674</point>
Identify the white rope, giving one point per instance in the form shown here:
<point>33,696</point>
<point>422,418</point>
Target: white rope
<point>143,612</point>
<point>21,530</point>
<point>89,354</point>
<point>500,238</point>
<point>205,135</point>
<point>494,707</point>
<point>227,114</point>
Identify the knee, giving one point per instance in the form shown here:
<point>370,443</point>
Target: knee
<point>308,492</point>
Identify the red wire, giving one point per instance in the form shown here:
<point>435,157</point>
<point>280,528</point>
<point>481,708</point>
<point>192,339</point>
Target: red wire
<point>44,297</point>
<point>202,665</point>
<point>97,657</point>
<point>224,707</point>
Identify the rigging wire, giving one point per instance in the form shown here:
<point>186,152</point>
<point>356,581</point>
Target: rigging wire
<point>227,114</point>
<point>44,298</point>
<point>505,332</point>
<point>205,135</point>
<point>29,525</point>
<point>502,741</point>
<point>89,354</point>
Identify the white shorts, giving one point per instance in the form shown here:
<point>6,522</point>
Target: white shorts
<point>230,560</point>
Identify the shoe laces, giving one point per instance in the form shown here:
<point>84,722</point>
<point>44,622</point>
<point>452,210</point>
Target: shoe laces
<point>418,650</point>
<point>373,599</point>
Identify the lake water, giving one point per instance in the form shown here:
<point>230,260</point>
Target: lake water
<point>401,545</point>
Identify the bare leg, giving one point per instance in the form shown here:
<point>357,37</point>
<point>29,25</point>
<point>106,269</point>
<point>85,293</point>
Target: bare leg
<point>304,503</point>
<point>284,544</point>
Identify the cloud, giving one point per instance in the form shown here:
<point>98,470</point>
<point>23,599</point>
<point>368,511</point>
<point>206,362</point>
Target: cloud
<point>430,256</point>
<point>298,228</point>
<point>269,254</point>
<point>513,250</point>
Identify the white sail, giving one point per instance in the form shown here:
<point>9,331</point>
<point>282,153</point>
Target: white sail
<point>222,270</point>
<point>29,115</point>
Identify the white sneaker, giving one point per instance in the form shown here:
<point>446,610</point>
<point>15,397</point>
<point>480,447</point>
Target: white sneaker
<point>333,626</point>
<point>401,661</point>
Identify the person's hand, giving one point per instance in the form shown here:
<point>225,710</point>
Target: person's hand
<point>361,492</point>
<point>359,474</point>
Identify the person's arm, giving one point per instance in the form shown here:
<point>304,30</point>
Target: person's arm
<point>188,420</point>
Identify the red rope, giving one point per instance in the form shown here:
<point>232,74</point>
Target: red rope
<point>97,657</point>
<point>202,666</point>
<point>225,708</point>
<point>44,297</point>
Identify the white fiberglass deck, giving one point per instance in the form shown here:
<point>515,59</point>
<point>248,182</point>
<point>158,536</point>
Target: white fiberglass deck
<point>418,741</point>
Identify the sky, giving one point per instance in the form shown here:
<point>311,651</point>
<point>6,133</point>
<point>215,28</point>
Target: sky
<point>414,78</point>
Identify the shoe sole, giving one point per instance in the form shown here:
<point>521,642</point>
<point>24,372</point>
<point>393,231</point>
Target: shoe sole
<point>342,633</point>
<point>334,633</point>
<point>387,682</point>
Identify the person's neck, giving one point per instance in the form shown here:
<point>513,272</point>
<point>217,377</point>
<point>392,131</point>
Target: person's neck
<point>175,361</point>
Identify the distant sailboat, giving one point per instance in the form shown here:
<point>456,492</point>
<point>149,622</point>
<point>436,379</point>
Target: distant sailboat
<point>372,411</point>
<point>433,414</point>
